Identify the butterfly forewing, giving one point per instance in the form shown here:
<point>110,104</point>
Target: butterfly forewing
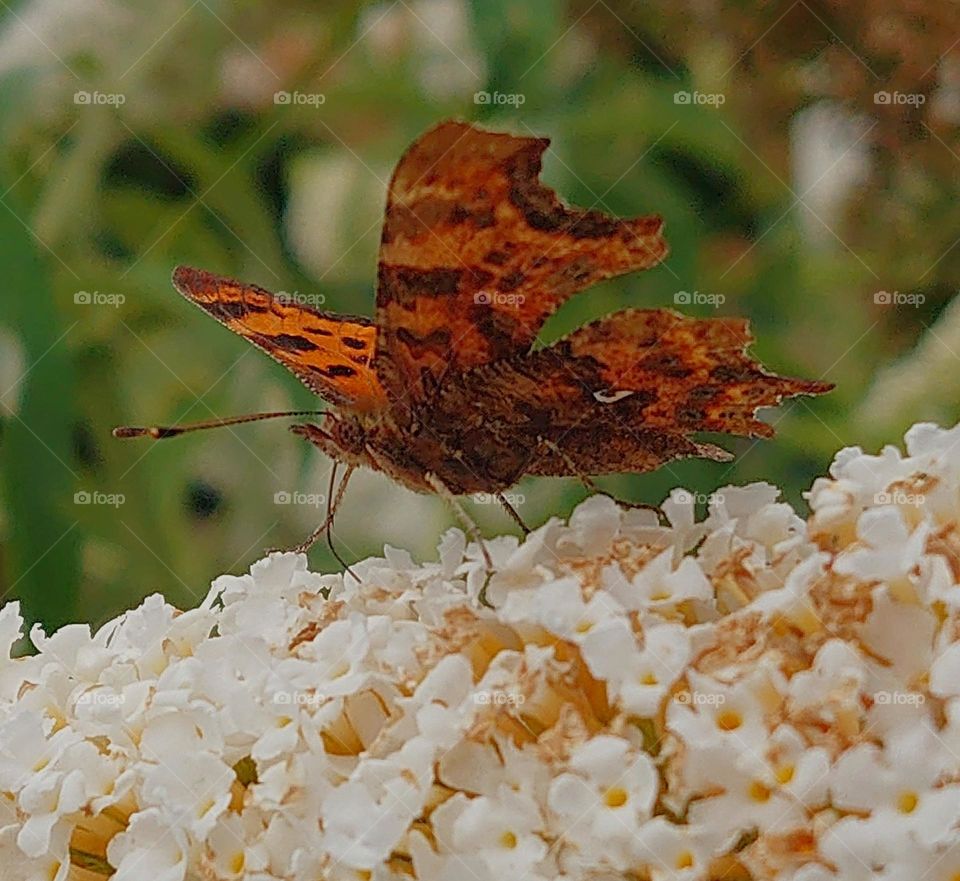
<point>331,354</point>
<point>476,253</point>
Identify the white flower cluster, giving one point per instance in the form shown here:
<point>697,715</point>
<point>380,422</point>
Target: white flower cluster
<point>748,697</point>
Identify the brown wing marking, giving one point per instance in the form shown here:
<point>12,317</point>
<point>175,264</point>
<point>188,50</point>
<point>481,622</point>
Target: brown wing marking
<point>476,253</point>
<point>329,353</point>
<point>625,393</point>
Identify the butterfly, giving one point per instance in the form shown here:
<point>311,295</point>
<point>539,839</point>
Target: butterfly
<point>445,390</point>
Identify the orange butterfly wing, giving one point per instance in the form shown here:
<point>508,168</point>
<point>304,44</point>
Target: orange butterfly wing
<point>476,253</point>
<point>331,354</point>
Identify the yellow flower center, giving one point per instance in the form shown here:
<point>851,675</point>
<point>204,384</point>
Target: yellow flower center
<point>684,860</point>
<point>508,840</point>
<point>236,864</point>
<point>649,679</point>
<point>584,626</point>
<point>759,791</point>
<point>615,797</point>
<point>784,774</point>
<point>907,802</point>
<point>729,720</point>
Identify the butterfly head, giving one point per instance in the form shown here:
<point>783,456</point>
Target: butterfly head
<point>340,437</point>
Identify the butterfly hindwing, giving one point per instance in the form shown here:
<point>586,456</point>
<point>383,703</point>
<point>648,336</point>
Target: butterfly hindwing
<point>626,392</point>
<point>476,253</point>
<point>331,354</point>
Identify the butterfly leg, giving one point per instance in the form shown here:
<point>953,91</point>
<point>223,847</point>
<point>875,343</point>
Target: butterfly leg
<point>502,499</point>
<point>442,490</point>
<point>548,444</point>
<point>333,503</point>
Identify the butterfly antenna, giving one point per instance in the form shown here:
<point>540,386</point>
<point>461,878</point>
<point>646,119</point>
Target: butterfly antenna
<point>331,510</point>
<point>158,432</point>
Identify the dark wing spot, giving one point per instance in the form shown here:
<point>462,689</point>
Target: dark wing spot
<point>666,364</point>
<point>497,258</point>
<point>436,341</point>
<point>352,342</point>
<point>230,310</point>
<point>335,370</point>
<point>511,281</point>
<point>731,373</point>
<point>403,284</point>
<point>291,342</point>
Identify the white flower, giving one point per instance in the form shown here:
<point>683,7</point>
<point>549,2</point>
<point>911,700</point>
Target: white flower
<point>666,701</point>
<point>659,585</point>
<point>673,852</point>
<point>639,676</point>
<point>601,802</point>
<point>152,845</point>
<point>501,833</point>
<point>900,785</point>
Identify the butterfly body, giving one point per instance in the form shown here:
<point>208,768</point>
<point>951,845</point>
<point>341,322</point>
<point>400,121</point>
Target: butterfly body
<point>445,390</point>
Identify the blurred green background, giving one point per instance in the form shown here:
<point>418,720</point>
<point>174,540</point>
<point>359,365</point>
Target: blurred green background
<point>805,157</point>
